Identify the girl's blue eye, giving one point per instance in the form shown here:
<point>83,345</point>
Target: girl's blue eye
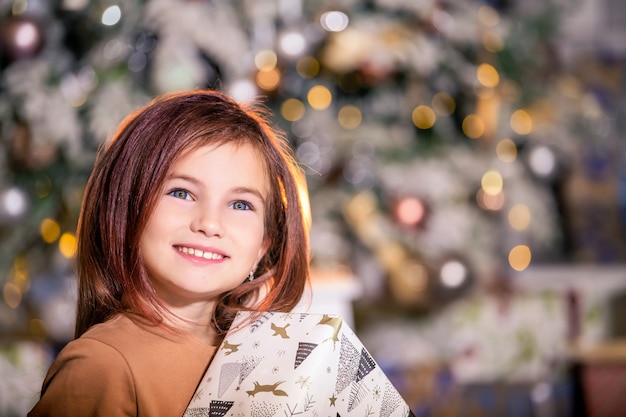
<point>180,193</point>
<point>241,205</point>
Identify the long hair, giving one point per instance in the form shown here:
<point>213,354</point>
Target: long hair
<point>122,191</point>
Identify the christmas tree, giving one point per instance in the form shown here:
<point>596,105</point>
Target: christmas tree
<point>438,138</point>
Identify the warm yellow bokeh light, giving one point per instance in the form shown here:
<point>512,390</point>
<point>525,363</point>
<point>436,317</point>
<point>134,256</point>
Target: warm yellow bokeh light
<point>519,257</point>
<point>473,126</point>
<point>488,16</point>
<point>492,183</point>
<point>423,117</point>
<point>492,41</point>
<point>265,60</point>
<point>519,217</point>
<point>487,75</point>
<point>416,276</point>
<point>308,67</point>
<point>349,117</point>
<point>67,245</point>
<point>319,97</point>
<point>50,230</point>
<point>521,122</point>
<point>443,104</point>
<point>292,109</point>
<point>268,80</point>
<point>12,295</point>
<point>506,150</point>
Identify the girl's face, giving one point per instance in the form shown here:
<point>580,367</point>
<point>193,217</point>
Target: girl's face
<point>207,231</point>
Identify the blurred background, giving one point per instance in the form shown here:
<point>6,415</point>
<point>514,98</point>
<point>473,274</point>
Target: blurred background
<point>465,163</point>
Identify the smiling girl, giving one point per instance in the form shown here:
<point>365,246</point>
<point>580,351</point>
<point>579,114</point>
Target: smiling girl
<point>191,213</point>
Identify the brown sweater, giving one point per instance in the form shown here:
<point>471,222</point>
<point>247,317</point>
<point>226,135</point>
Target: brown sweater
<point>124,367</point>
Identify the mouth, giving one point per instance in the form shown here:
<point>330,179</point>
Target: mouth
<point>199,253</point>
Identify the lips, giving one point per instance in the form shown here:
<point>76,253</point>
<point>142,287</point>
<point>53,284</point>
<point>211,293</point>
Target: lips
<point>199,253</point>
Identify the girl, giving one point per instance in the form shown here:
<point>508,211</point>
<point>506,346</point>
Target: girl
<point>191,213</point>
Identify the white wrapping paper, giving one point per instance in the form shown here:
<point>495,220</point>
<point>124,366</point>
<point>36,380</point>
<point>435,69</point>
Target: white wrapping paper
<point>288,364</point>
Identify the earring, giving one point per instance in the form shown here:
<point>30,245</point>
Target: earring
<point>251,276</point>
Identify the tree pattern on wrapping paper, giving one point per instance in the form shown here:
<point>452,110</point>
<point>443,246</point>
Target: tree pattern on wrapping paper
<point>229,372</point>
<point>366,365</point>
<point>248,365</point>
<point>263,409</point>
<point>358,393</point>
<point>303,352</point>
<point>391,401</point>
<point>233,370</point>
<point>256,324</point>
<point>215,409</point>
<point>349,359</point>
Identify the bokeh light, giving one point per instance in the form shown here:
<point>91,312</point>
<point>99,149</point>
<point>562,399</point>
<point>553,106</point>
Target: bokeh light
<point>111,15</point>
<point>492,41</point>
<point>319,97</point>
<point>487,75</point>
<point>542,161</point>
<point>350,117</point>
<point>308,67</point>
<point>334,21</point>
<point>521,122</point>
<point>292,109</point>
<point>453,274</point>
<point>50,230</point>
<point>520,257</point>
<point>268,80</point>
<point>67,244</point>
<point>265,60</point>
<point>488,16</point>
<point>519,217</point>
<point>423,117</point>
<point>292,43</point>
<point>443,104</point>
<point>491,202</point>
<point>506,150</point>
<point>473,126</point>
<point>492,182</point>
<point>410,211</point>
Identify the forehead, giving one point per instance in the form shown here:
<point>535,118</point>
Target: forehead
<point>227,162</point>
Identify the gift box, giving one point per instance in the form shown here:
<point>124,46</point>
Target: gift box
<point>287,364</point>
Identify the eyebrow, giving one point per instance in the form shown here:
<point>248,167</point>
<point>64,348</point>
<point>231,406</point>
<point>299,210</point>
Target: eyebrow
<point>237,190</point>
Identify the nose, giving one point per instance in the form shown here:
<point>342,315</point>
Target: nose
<point>207,221</point>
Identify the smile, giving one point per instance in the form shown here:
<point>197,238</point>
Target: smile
<point>199,253</point>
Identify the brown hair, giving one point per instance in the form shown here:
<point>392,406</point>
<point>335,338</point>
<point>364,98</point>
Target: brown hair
<point>120,197</point>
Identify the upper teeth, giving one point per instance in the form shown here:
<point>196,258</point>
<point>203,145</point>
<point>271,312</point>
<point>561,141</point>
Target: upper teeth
<point>199,253</point>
